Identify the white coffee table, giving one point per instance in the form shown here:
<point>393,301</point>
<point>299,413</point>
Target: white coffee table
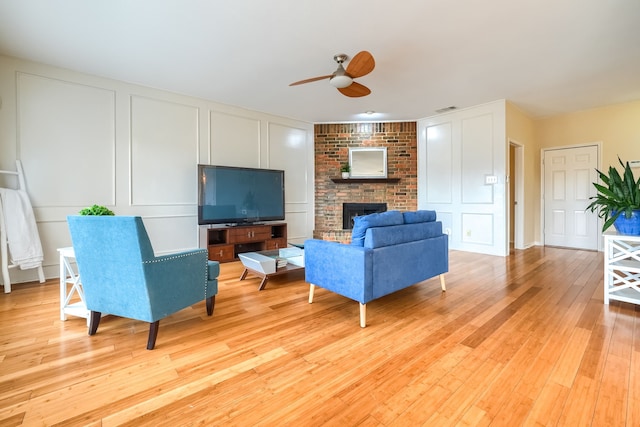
<point>263,263</point>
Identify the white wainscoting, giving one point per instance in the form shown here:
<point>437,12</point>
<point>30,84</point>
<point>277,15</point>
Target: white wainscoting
<point>457,151</point>
<point>84,139</point>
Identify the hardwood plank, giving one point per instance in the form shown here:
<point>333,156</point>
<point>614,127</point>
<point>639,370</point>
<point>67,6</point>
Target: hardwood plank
<point>566,368</point>
<point>580,403</point>
<point>547,407</point>
<point>611,405</point>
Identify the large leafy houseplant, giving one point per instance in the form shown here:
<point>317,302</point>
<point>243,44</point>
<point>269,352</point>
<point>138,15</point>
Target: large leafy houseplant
<point>617,195</point>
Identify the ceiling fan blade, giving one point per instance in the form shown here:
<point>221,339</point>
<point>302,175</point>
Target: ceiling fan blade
<point>313,79</point>
<point>355,90</point>
<point>361,64</point>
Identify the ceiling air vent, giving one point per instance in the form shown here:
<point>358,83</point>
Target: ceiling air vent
<point>446,109</point>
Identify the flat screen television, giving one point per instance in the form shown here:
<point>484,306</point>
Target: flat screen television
<point>237,195</point>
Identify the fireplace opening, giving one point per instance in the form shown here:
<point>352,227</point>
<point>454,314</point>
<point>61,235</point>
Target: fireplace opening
<point>352,210</point>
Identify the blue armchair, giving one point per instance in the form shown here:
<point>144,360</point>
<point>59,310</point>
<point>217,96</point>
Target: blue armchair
<point>120,274</point>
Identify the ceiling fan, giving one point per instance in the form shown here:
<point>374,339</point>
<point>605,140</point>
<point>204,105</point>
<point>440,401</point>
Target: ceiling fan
<point>361,65</point>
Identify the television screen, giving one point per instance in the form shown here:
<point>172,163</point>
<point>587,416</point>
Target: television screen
<point>232,195</point>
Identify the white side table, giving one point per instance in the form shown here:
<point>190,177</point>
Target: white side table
<point>68,276</point>
<point>621,267</point>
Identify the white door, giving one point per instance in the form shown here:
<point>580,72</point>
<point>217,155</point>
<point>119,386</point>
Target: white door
<point>569,174</point>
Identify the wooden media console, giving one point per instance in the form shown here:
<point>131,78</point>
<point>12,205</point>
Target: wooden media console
<point>225,243</point>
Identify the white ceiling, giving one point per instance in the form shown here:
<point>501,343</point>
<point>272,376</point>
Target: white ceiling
<point>546,56</point>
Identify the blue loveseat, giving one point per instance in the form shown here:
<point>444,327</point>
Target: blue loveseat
<point>389,251</point>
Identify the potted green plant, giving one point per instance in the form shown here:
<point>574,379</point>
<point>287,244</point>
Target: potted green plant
<point>345,169</point>
<point>618,200</point>
<point>96,210</point>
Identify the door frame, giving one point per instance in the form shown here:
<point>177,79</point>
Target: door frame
<point>516,178</point>
<point>598,145</point>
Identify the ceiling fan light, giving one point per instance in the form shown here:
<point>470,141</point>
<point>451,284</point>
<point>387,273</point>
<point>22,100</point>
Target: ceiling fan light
<point>341,81</point>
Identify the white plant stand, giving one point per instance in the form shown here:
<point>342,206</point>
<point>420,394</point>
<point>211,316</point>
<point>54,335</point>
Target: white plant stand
<point>621,267</point>
<point>68,276</point>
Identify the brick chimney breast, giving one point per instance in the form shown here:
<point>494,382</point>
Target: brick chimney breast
<point>332,142</point>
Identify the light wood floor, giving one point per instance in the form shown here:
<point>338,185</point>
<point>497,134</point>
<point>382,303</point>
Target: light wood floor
<point>523,340</point>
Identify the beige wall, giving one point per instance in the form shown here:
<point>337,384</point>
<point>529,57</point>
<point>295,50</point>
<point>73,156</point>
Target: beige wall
<point>520,130</point>
<point>616,127</point>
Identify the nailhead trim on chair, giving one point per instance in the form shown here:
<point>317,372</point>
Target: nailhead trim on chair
<point>171,257</point>
<point>206,278</point>
<point>206,281</point>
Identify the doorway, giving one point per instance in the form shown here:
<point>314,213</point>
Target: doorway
<point>516,195</point>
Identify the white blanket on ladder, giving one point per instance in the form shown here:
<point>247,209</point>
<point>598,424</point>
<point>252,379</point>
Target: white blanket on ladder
<point>22,233</point>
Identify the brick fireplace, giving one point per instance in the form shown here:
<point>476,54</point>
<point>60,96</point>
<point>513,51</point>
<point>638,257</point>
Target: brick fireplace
<point>332,142</point>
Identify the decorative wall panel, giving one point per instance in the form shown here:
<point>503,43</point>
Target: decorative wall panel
<point>182,235</point>
<point>477,158</point>
<point>477,228</point>
<point>164,152</point>
<point>287,146</point>
<point>439,149</point>
<point>297,226</point>
<point>235,140</point>
<point>66,136</point>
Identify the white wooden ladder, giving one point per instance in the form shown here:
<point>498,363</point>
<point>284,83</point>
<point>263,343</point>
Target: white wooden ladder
<point>3,234</point>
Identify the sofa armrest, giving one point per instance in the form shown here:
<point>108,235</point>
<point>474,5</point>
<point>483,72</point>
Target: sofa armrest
<point>344,269</point>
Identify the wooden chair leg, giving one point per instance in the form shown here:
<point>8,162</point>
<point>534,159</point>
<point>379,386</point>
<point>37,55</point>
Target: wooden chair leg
<point>442,285</point>
<point>94,322</point>
<point>211,303</point>
<point>363,315</point>
<point>153,334</point>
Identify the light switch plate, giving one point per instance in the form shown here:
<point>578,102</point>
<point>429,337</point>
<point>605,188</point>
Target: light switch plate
<point>490,179</point>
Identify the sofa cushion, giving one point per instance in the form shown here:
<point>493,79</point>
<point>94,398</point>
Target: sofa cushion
<point>419,216</point>
<point>382,219</point>
<point>377,237</point>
